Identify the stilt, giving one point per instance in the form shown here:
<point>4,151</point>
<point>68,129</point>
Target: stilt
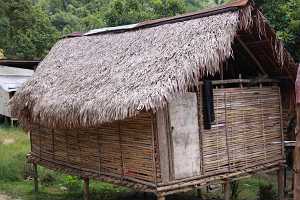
<point>35,178</point>
<point>226,189</point>
<point>86,189</point>
<point>280,182</point>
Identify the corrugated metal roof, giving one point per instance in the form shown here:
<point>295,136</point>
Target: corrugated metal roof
<point>13,71</point>
<point>11,78</point>
<point>110,29</point>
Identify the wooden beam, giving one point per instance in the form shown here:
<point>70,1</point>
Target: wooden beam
<point>252,56</point>
<point>257,43</point>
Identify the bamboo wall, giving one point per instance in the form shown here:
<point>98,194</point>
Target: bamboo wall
<point>246,136</point>
<point>121,149</point>
<point>247,131</point>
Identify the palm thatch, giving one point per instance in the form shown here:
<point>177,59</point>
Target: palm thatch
<point>88,80</point>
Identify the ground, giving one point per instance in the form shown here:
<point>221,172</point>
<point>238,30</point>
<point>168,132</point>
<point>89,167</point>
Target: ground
<point>14,145</point>
<point>4,197</point>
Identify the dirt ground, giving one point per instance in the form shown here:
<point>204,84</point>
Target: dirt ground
<point>4,197</point>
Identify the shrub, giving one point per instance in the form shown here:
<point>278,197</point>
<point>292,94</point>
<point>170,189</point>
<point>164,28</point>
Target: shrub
<point>72,183</point>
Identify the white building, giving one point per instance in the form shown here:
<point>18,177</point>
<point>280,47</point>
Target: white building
<point>11,78</point>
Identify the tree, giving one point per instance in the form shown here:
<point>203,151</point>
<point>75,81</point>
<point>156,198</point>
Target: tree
<point>284,16</point>
<point>75,15</point>
<point>123,12</point>
<point>25,30</point>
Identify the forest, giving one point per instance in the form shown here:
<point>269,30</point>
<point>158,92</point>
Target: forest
<point>28,28</point>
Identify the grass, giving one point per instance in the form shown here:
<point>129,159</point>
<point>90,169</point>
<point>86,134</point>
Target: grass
<point>14,145</point>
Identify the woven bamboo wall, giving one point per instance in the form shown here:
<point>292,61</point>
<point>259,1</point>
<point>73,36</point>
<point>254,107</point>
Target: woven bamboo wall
<point>246,134</point>
<point>121,149</point>
<point>247,131</point>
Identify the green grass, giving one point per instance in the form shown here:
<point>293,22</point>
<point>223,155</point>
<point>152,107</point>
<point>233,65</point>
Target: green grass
<point>14,145</point>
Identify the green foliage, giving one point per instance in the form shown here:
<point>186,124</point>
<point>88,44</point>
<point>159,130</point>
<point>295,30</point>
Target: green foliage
<point>72,183</point>
<point>73,15</point>
<point>123,12</point>
<point>25,30</point>
<point>284,15</point>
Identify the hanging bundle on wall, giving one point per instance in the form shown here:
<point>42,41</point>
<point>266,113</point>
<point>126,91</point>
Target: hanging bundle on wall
<point>208,104</point>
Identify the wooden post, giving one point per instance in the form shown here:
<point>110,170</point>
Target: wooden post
<point>35,177</point>
<point>226,189</point>
<point>86,191</point>
<point>280,182</point>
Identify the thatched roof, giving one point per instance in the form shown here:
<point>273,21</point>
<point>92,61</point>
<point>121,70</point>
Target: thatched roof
<point>113,74</point>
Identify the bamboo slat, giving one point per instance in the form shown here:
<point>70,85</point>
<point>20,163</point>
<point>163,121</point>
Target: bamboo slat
<point>246,131</point>
<point>125,149</point>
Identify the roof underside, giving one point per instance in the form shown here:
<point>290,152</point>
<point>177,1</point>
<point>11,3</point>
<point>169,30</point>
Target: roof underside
<point>89,80</point>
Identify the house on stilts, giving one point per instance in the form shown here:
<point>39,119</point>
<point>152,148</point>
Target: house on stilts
<point>166,105</point>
